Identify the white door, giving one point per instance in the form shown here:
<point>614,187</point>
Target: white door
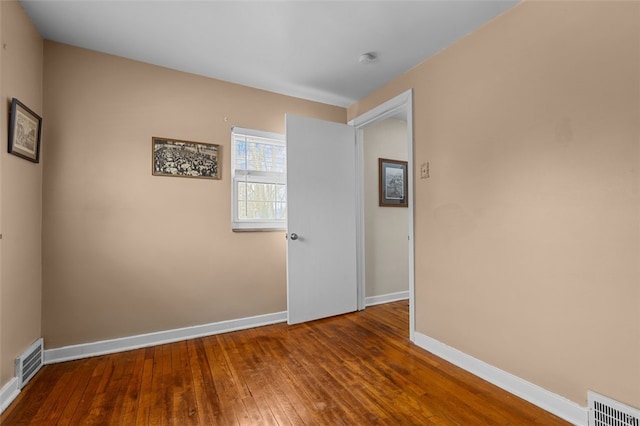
<point>321,224</point>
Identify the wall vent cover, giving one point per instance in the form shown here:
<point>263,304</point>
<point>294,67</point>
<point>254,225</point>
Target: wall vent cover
<point>29,363</point>
<point>605,411</point>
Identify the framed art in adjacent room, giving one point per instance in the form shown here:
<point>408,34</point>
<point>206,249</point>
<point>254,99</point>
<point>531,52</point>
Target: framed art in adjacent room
<point>172,157</point>
<point>393,183</point>
<point>25,130</point>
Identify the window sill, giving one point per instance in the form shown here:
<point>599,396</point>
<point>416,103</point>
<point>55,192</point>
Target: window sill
<point>258,229</point>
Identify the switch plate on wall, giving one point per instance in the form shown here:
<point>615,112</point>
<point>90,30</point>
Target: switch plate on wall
<point>424,170</point>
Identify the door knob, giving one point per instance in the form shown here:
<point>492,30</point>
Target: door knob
<point>294,236</point>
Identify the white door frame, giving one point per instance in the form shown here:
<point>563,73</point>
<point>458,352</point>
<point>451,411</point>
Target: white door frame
<point>401,103</point>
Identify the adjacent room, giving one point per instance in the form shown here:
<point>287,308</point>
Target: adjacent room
<point>302,212</point>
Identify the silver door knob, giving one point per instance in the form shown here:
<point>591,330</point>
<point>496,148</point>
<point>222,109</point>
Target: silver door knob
<point>294,236</point>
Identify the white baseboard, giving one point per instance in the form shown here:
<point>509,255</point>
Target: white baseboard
<point>386,298</point>
<point>549,401</point>
<point>86,350</point>
<point>8,393</point>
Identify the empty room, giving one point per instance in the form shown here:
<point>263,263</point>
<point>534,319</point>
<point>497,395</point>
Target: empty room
<point>306,212</point>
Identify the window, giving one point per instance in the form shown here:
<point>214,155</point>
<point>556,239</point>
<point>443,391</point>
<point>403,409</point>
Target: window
<point>259,193</point>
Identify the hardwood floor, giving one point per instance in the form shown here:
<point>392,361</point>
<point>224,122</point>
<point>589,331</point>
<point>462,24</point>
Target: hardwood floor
<point>356,369</point>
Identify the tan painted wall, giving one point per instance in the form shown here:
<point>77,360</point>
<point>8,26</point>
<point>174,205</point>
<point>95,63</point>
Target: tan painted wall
<point>125,252</point>
<point>20,285</point>
<point>528,231</point>
<point>2,132</point>
<point>386,228</point>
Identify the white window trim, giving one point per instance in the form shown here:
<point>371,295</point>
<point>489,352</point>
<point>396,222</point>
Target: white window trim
<point>238,225</point>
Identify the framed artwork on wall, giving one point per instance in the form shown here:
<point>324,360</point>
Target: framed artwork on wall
<point>173,157</point>
<point>25,129</point>
<point>393,183</point>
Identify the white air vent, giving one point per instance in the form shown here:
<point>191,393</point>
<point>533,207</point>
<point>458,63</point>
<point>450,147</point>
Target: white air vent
<point>605,411</point>
<point>28,364</point>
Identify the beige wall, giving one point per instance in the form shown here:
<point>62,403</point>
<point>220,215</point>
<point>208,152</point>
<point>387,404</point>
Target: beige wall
<point>528,231</point>
<point>125,252</point>
<point>21,193</point>
<point>386,228</point>
<point>3,380</point>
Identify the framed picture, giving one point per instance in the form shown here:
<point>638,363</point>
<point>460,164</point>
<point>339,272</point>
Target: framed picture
<point>393,183</point>
<point>172,157</point>
<point>25,129</point>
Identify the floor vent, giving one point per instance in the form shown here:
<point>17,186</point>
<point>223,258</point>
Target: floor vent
<point>28,364</point>
<point>605,411</point>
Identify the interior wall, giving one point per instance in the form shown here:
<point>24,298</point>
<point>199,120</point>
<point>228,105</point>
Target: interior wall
<point>2,132</point>
<point>21,192</point>
<point>386,228</point>
<point>125,252</point>
<point>527,233</point>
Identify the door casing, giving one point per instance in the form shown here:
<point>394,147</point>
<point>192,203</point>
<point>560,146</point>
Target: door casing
<point>403,103</point>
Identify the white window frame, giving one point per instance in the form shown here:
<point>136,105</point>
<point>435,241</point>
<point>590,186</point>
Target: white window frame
<point>238,175</point>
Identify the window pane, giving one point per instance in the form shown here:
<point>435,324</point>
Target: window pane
<point>261,201</point>
<point>263,210</point>
<point>241,150</point>
<point>242,210</point>
<point>281,211</point>
<point>258,154</point>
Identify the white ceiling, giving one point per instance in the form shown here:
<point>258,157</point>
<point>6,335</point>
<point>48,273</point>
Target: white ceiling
<point>308,49</point>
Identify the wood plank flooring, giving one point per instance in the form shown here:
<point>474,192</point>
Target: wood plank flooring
<point>355,369</point>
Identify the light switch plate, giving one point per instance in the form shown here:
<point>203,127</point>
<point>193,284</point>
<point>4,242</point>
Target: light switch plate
<point>424,170</point>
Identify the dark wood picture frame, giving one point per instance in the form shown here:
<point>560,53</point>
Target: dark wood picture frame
<point>25,131</point>
<point>178,158</point>
<point>393,183</point>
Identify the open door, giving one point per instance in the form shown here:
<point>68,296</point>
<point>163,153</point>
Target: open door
<point>321,219</point>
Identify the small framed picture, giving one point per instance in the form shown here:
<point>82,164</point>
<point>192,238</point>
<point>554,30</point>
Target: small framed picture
<point>173,157</point>
<point>393,183</point>
<point>25,130</point>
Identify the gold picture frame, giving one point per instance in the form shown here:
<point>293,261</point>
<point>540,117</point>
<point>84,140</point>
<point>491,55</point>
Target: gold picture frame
<point>178,158</point>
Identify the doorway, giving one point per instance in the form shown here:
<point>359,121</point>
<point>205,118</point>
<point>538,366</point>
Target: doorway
<point>386,251</point>
<point>307,297</point>
<point>399,109</point>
